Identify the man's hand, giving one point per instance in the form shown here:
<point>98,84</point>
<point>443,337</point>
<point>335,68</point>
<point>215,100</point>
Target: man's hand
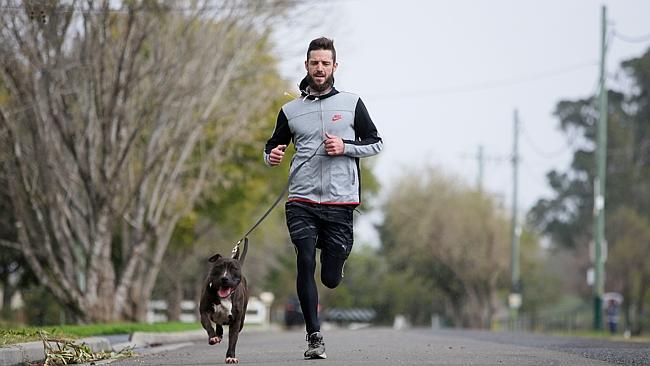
<point>334,145</point>
<point>276,155</point>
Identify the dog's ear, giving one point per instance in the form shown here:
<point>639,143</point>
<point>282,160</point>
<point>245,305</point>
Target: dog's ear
<point>214,258</point>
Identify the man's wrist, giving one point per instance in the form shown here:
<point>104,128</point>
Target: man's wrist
<point>266,159</point>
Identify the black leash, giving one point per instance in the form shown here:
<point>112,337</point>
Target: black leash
<point>244,239</point>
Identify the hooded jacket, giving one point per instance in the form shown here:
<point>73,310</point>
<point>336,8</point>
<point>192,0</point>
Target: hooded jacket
<point>325,179</point>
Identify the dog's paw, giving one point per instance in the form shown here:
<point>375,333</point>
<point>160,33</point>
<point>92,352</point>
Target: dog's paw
<point>231,360</point>
<point>214,340</point>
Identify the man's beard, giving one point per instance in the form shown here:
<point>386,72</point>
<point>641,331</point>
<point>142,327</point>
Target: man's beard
<point>319,88</point>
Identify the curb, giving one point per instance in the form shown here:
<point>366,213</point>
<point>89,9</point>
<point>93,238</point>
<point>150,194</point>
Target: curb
<point>21,353</point>
<point>151,339</point>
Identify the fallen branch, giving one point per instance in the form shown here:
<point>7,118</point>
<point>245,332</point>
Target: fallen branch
<point>65,352</point>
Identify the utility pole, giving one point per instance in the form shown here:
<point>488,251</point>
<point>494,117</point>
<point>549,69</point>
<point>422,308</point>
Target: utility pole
<point>479,157</point>
<point>514,300</point>
<point>599,183</point>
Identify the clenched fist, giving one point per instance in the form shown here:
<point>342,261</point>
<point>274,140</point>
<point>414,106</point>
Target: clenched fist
<point>334,145</point>
<point>276,155</point>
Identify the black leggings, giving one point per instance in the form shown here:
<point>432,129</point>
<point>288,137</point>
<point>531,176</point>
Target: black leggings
<point>331,275</point>
<point>328,228</point>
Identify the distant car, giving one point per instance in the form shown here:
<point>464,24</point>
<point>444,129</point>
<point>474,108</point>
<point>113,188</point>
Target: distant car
<point>293,313</point>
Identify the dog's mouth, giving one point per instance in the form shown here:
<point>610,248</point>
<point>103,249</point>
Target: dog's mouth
<point>225,291</point>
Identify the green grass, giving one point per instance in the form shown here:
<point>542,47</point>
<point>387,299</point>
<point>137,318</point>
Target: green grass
<point>122,328</point>
<point>12,336</point>
<point>604,335</point>
<point>28,334</point>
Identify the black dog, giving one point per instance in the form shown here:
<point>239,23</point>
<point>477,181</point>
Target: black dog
<point>224,301</point>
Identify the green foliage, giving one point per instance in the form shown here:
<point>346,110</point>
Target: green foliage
<point>568,216</point>
<point>245,188</point>
<point>363,278</point>
<point>184,232</point>
<point>369,282</point>
<point>41,308</point>
<point>281,277</point>
<point>541,287</point>
<point>369,184</point>
<point>448,237</point>
<point>628,264</point>
<point>631,233</point>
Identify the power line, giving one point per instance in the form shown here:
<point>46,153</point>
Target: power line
<point>549,154</point>
<point>492,84</point>
<point>494,158</point>
<point>631,39</point>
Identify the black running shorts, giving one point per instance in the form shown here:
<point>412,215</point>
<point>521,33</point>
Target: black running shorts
<point>330,226</point>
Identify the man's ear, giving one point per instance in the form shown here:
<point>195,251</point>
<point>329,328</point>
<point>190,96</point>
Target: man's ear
<point>335,66</point>
<point>307,65</point>
<point>214,258</point>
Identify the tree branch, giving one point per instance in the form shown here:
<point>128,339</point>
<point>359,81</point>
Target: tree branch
<point>10,244</point>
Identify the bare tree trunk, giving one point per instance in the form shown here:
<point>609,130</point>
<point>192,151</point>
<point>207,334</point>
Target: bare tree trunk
<point>174,299</point>
<point>471,306</point>
<point>494,301</point>
<point>637,329</point>
<point>455,310</point>
<point>7,293</point>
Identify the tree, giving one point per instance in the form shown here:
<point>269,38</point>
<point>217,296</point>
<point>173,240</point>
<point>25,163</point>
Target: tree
<point>630,271</point>
<point>541,284</point>
<point>107,106</point>
<point>568,216</point>
<point>225,212</point>
<point>370,282</point>
<point>455,239</point>
<point>14,271</point>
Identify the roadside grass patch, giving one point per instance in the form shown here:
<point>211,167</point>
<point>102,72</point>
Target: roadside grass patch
<point>592,334</point>
<point>21,335</point>
<point>12,335</point>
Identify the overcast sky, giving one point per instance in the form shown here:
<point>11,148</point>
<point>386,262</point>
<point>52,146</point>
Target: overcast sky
<point>440,78</point>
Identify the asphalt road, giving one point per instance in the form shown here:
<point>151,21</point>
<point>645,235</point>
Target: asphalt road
<point>383,346</point>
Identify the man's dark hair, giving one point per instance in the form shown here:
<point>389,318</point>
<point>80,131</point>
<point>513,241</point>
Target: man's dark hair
<point>322,43</point>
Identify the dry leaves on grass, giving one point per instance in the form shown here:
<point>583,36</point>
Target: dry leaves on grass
<point>65,352</point>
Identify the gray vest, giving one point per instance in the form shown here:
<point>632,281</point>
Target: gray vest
<point>323,179</point>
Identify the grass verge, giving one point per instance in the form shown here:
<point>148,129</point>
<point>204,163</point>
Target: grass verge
<point>28,334</point>
<point>603,335</point>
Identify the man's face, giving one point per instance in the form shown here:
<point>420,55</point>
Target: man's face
<point>320,70</point>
